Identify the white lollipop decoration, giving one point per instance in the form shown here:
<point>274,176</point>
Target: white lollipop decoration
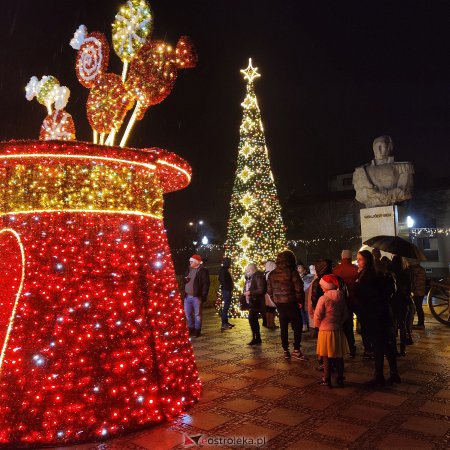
<point>47,92</point>
<point>92,57</point>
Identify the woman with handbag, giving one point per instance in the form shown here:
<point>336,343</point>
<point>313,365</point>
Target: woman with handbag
<point>254,290</point>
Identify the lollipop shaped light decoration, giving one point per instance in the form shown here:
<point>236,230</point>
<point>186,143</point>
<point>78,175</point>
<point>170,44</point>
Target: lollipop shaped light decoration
<point>93,338</point>
<point>153,73</point>
<point>108,101</point>
<point>132,26</point>
<point>59,123</point>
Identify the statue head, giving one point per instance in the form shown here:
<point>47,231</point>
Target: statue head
<point>383,148</point>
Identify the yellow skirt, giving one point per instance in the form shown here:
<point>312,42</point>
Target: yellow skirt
<point>332,344</point>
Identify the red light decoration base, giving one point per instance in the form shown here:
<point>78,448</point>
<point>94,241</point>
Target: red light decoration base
<point>93,338</point>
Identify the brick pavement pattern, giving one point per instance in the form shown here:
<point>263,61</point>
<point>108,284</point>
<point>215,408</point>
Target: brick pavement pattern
<point>253,392</point>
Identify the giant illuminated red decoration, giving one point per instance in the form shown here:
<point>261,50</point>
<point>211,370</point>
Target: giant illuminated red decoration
<point>92,333</point>
<point>93,339</point>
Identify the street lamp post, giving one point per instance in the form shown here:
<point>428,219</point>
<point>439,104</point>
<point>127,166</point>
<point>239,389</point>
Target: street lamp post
<point>196,228</point>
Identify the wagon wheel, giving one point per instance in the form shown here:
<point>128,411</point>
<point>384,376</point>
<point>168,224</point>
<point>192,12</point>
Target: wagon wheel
<point>438,302</point>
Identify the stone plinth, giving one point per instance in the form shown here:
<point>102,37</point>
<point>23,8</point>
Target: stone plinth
<point>383,220</point>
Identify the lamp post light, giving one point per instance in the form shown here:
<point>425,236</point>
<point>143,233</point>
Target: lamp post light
<point>195,227</point>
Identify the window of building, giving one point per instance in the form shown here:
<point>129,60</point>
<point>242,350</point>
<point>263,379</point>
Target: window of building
<point>430,248</point>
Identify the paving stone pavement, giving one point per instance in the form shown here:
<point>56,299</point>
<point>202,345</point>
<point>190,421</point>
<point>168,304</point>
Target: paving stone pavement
<point>253,392</point>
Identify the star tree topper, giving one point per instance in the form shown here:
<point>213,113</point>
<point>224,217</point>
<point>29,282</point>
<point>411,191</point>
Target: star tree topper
<point>250,73</point>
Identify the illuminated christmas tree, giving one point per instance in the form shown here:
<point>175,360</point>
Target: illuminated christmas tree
<point>255,228</point>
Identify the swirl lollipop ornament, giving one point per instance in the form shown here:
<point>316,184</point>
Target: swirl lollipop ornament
<point>93,338</point>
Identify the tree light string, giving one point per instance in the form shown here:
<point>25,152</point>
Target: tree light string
<point>255,230</point>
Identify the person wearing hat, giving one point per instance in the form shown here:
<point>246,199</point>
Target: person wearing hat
<point>196,288</point>
<point>226,287</point>
<point>349,274</point>
<point>329,316</point>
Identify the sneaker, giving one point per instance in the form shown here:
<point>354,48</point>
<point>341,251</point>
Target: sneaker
<point>226,326</point>
<point>287,354</point>
<point>297,354</point>
<point>325,382</point>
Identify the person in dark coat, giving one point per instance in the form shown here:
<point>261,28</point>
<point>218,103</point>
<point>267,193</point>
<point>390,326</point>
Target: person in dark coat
<point>226,286</point>
<point>254,291</point>
<point>196,288</point>
<point>349,273</point>
<point>373,292</point>
<point>401,300</point>
<point>285,288</point>
<point>270,307</point>
<point>418,289</point>
<point>323,267</point>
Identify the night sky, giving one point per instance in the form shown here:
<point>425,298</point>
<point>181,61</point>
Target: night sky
<point>335,75</point>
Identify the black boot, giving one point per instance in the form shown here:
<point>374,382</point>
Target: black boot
<point>394,378</point>
<point>256,339</point>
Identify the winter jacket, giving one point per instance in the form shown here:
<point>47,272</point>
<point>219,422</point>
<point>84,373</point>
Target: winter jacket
<point>201,283</point>
<point>323,267</point>
<point>257,291</point>
<point>373,292</point>
<point>349,273</point>
<point>331,311</point>
<point>284,284</point>
<point>307,280</point>
<point>225,279</point>
<point>418,280</point>
<point>402,295</point>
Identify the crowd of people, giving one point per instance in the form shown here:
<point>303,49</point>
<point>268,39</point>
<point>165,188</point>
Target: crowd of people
<point>380,295</point>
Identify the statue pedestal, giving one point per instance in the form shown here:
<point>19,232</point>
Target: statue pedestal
<point>383,220</point>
